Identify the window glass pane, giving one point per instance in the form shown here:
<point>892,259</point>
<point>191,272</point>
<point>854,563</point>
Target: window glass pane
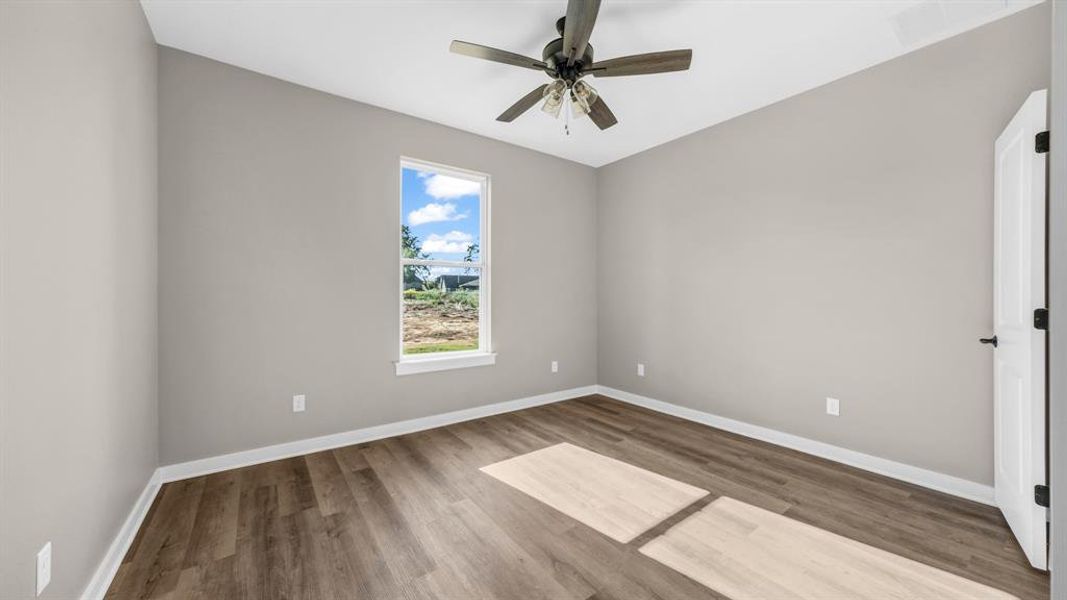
<point>441,216</point>
<point>440,309</point>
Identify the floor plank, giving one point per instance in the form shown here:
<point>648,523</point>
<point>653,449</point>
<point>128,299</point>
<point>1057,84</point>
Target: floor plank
<point>412,517</point>
<point>615,498</point>
<point>749,553</point>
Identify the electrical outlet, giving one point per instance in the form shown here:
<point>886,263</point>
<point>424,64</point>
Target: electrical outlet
<point>555,366</point>
<point>44,567</point>
<point>640,369</point>
<point>833,407</point>
<point>299,403</point>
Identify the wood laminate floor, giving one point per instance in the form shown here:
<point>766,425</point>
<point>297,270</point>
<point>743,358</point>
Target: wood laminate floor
<point>615,498</point>
<point>729,545</point>
<point>413,517</point>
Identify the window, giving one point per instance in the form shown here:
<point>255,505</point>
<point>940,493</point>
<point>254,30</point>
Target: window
<point>444,268</point>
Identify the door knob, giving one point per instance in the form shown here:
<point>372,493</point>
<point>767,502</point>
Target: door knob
<point>992,340</point>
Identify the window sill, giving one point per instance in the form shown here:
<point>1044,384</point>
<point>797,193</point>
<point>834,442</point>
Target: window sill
<point>413,366</point>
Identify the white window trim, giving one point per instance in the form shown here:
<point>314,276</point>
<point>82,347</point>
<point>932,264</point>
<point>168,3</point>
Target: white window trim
<point>444,361</point>
<point>440,361</point>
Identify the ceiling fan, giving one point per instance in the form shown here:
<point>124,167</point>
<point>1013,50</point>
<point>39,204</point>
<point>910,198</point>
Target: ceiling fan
<point>570,58</point>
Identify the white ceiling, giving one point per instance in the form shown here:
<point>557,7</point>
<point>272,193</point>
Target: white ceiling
<point>394,54</point>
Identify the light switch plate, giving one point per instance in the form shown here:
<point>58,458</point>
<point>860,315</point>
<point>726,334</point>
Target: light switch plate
<point>555,366</point>
<point>640,369</point>
<point>299,403</point>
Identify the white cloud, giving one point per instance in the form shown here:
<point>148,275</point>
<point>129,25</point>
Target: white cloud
<point>444,187</point>
<point>435,272</point>
<point>433,213</point>
<point>451,242</point>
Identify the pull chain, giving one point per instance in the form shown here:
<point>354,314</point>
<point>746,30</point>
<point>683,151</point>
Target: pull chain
<point>567,112</point>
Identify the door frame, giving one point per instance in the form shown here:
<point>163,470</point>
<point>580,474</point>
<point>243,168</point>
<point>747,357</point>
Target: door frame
<point>1057,302</point>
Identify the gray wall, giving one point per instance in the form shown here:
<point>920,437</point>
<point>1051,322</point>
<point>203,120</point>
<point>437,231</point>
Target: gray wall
<point>279,209</point>
<point>838,243</point>
<point>78,429</point>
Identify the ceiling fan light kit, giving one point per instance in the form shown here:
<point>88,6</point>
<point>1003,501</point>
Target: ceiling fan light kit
<point>554,95</point>
<point>570,58</point>
<point>583,96</point>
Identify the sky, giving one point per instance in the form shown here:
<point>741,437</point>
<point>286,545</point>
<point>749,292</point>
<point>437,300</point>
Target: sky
<point>441,211</point>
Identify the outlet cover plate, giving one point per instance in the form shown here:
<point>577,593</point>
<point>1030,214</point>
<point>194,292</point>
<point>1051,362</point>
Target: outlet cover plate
<point>44,567</point>
<point>833,407</point>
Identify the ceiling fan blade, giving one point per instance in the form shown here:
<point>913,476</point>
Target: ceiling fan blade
<point>578,26</point>
<point>601,114</point>
<point>524,104</point>
<point>642,64</point>
<point>495,55</point>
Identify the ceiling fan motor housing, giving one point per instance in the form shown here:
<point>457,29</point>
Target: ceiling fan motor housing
<point>556,62</point>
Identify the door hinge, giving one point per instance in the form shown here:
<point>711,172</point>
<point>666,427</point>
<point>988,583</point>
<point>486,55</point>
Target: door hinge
<point>1041,142</point>
<point>1041,318</point>
<point>1041,495</point>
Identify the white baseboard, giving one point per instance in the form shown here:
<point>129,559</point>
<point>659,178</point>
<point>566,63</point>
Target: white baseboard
<point>214,464</point>
<point>105,572</point>
<point>911,474</point>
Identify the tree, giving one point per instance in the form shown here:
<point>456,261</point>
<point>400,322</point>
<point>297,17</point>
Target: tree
<point>472,254</point>
<point>410,245</point>
<point>415,276</point>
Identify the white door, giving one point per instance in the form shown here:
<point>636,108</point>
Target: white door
<point>1019,351</point>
